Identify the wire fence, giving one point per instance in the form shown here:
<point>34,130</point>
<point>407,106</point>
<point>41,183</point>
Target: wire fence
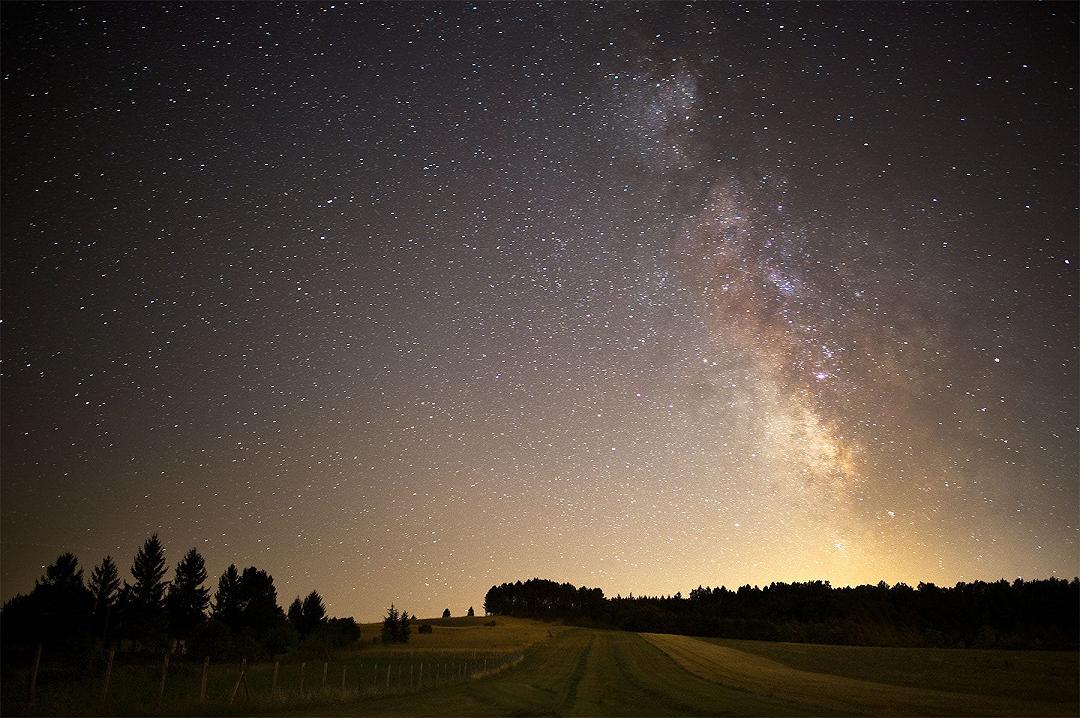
<point>123,684</point>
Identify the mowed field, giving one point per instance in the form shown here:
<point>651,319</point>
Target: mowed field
<point>519,667</point>
<point>575,671</point>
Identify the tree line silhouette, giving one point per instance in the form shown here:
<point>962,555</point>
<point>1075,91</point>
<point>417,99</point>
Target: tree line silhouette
<point>150,614</point>
<point>1041,614</point>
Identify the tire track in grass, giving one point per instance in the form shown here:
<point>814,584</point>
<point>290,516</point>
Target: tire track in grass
<point>541,685</point>
<point>580,667</point>
<point>645,673</point>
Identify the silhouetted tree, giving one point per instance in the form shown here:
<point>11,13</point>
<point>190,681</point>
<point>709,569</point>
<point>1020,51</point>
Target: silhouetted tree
<point>187,598</point>
<point>226,606</point>
<point>148,570</point>
<point>145,615</point>
<point>446,613</point>
<point>104,586</point>
<point>337,632</point>
<point>257,600</point>
<point>307,615</point>
<point>470,612</point>
<point>314,612</point>
<point>64,572</point>
<point>295,614</point>
<point>247,604</point>
<point>56,613</point>
<point>391,625</point>
<point>404,628</point>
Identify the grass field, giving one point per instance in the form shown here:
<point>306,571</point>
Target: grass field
<point>520,667</point>
<point>586,672</point>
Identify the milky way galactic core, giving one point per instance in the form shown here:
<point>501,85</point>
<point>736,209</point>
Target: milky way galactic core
<point>400,301</point>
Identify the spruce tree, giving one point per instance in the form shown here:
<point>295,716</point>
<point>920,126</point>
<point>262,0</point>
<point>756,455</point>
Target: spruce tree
<point>296,616</point>
<point>403,628</point>
<point>188,597</point>
<point>227,598</point>
<point>148,570</point>
<point>314,611</point>
<point>391,625</point>
<point>104,586</point>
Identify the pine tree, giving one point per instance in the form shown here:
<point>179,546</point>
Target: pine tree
<point>62,605</point>
<point>104,585</point>
<point>148,591</point>
<point>188,598</point>
<point>471,612</point>
<point>144,617</point>
<point>227,598</point>
<point>62,573</point>
<point>257,600</point>
<point>446,613</point>
<point>403,628</point>
<point>296,616</point>
<point>390,626</point>
<point>314,612</point>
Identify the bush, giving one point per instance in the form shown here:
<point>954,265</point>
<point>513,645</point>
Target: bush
<point>337,632</point>
<point>314,648</point>
<point>212,639</point>
<point>424,628</point>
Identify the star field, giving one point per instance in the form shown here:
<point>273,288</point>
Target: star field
<point>400,301</point>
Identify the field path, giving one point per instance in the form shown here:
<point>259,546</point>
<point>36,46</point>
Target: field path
<point>822,693</point>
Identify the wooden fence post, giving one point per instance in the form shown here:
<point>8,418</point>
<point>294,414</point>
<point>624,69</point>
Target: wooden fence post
<point>108,676</point>
<point>302,664</point>
<point>325,668</point>
<point>420,681</point>
<point>161,688</point>
<point>388,667</point>
<point>202,680</point>
<point>411,676</point>
<point>33,675</point>
<point>273,682</point>
<point>239,680</point>
<point>342,679</point>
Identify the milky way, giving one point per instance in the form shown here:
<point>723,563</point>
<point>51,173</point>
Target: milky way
<point>402,301</point>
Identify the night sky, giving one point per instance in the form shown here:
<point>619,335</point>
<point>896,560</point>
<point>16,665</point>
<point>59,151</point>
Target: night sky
<point>401,301</point>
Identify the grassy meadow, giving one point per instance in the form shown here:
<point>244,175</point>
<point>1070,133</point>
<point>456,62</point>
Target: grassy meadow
<point>523,667</point>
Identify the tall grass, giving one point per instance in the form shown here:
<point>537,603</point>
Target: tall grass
<point>67,687</point>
